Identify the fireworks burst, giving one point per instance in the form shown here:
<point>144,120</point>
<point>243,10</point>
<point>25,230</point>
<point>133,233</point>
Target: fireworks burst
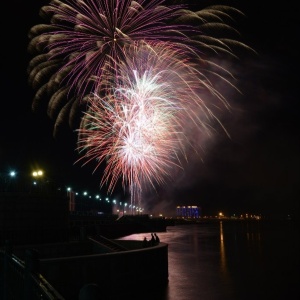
<point>139,127</point>
<point>136,127</point>
<point>141,72</point>
<point>72,48</point>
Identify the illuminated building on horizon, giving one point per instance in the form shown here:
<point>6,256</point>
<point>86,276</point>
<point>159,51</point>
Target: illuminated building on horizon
<point>188,211</point>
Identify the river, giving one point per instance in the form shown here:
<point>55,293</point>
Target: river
<point>234,260</point>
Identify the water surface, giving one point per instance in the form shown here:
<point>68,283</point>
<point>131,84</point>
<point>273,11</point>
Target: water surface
<point>230,260</point>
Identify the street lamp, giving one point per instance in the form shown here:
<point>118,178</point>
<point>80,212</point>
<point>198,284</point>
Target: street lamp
<point>12,174</point>
<point>37,174</point>
<point>9,181</point>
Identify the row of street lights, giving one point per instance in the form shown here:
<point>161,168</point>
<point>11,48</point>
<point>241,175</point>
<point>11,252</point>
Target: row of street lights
<point>119,207</point>
<point>13,174</point>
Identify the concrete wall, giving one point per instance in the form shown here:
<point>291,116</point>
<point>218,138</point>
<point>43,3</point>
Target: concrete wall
<point>117,274</point>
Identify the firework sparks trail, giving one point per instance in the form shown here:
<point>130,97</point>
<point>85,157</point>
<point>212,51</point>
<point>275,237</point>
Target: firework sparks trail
<point>139,126</point>
<point>74,44</point>
<point>144,72</point>
<point>135,128</point>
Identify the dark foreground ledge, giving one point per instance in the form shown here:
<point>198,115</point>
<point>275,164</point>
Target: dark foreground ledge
<point>124,272</point>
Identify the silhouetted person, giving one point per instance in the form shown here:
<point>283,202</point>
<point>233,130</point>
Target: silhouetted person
<point>145,242</point>
<point>157,240</point>
<point>152,241</point>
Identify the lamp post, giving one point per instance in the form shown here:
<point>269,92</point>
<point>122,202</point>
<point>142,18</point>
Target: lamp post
<point>8,181</point>
<point>37,175</point>
<point>124,211</point>
<point>12,174</point>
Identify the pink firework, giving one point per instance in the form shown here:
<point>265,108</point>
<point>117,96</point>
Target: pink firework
<point>135,129</point>
<point>141,74</point>
<point>78,38</point>
<point>139,126</point>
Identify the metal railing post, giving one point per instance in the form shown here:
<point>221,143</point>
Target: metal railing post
<point>32,266</point>
<point>4,277</point>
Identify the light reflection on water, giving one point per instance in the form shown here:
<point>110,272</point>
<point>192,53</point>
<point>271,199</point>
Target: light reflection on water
<point>230,260</point>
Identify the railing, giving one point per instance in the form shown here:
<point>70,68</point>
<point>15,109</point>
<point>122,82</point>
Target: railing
<point>21,279</point>
<point>107,243</point>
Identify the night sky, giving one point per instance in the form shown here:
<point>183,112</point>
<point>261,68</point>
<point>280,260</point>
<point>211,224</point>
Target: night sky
<point>256,171</point>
